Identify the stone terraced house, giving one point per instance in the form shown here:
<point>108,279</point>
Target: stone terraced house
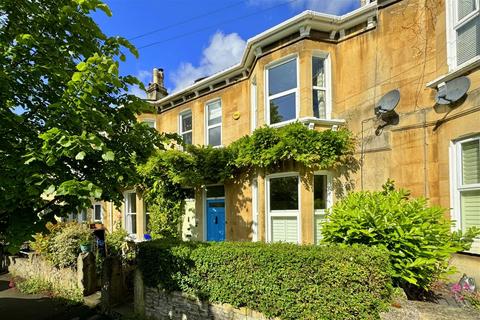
<point>331,71</point>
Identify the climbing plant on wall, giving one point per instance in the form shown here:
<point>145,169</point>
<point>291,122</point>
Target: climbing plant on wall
<point>169,172</point>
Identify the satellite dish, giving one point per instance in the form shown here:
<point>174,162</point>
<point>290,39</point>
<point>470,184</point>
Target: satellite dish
<point>387,104</point>
<point>453,90</point>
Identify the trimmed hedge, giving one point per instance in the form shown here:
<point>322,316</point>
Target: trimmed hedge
<point>279,280</point>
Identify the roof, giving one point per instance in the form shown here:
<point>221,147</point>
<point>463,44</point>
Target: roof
<point>302,23</point>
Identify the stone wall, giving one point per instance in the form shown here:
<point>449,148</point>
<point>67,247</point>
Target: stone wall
<point>62,282</point>
<point>161,305</point>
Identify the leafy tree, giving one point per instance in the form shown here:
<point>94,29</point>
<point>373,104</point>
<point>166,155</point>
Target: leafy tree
<point>68,125</point>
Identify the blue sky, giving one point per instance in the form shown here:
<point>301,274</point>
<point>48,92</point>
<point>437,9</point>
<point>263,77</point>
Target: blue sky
<point>190,39</point>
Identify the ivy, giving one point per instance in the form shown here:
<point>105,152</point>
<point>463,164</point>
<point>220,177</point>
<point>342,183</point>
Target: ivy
<point>169,172</point>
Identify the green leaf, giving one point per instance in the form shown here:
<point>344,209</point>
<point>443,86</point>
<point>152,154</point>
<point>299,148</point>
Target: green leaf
<point>80,155</point>
<point>76,76</point>
<point>82,66</point>
<point>108,156</point>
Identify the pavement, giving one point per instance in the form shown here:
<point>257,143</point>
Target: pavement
<point>16,305</point>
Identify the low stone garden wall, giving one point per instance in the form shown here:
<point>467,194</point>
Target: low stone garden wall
<point>68,283</point>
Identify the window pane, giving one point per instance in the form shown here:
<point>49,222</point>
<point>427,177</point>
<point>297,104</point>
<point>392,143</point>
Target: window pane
<point>319,106</point>
<point>186,122</point>
<point>284,193</point>
<point>83,215</point>
<point>147,223</point>
<point>215,136</point>
<point>468,44</point>
<point>214,113</point>
<point>284,229</point>
<point>187,137</point>
<point>215,191</point>
<point>132,223</point>
<point>282,77</point>
<point>150,123</point>
<point>471,162</point>
<point>465,7</point>
<point>132,203</point>
<point>283,108</point>
<point>318,72</point>
<point>470,206</point>
<point>98,212</point>
<point>320,192</point>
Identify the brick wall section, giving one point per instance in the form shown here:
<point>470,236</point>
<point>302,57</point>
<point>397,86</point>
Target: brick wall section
<point>161,305</point>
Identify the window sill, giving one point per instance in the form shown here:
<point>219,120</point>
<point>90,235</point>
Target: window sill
<point>320,122</point>
<point>459,71</point>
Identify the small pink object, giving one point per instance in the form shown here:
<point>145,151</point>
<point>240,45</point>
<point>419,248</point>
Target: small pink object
<point>11,284</point>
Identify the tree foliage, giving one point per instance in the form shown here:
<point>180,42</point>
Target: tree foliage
<point>68,125</point>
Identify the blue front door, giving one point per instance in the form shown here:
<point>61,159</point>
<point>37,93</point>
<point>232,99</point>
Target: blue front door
<point>216,220</point>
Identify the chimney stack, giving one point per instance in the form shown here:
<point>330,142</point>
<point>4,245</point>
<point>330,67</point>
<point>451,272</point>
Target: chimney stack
<point>156,90</point>
<point>364,2</point>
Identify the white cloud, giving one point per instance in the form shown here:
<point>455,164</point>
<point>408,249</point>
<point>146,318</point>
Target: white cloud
<point>325,6</point>
<point>223,51</point>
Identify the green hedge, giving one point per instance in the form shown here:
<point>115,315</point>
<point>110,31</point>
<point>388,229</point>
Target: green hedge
<point>279,280</point>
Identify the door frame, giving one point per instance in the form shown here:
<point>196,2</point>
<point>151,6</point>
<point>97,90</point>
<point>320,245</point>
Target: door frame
<point>204,209</point>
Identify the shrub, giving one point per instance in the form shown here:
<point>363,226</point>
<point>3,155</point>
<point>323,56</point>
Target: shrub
<point>417,237</point>
<point>117,245</point>
<point>61,245</point>
<point>279,280</point>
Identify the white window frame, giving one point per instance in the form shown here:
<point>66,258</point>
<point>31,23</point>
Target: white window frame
<point>327,65</point>
<point>150,120</point>
<point>207,127</point>
<point>145,220</point>
<point>101,212</point>
<point>282,213</point>
<point>255,210</point>
<point>453,25</point>
<point>283,93</point>
<point>253,105</point>
<point>456,177</point>
<point>180,123</point>
<point>127,214</point>
<point>322,212</point>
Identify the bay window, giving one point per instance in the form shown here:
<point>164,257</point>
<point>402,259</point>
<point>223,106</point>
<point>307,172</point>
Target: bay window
<point>282,95</point>
<point>322,200</point>
<point>319,87</point>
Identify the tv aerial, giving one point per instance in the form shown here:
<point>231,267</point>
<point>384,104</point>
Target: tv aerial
<point>452,91</point>
<point>385,110</point>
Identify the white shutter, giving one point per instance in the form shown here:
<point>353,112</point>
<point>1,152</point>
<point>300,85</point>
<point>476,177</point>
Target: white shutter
<point>468,44</point>
<point>319,220</point>
<point>470,206</point>
<point>284,229</point>
<point>471,162</point>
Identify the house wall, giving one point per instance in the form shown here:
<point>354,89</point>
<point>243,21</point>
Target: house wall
<point>405,51</point>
